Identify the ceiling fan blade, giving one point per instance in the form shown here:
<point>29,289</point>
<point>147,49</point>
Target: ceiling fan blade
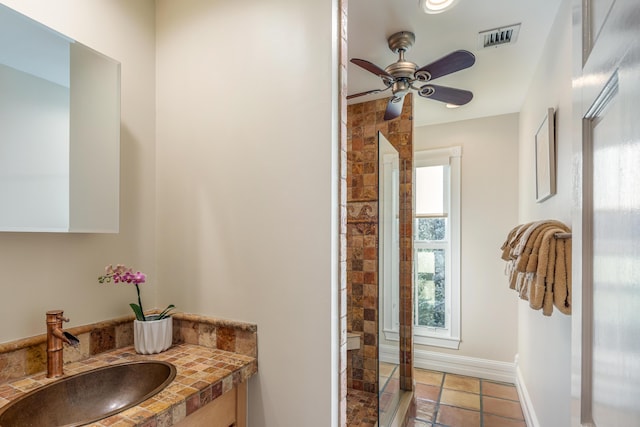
<point>394,107</point>
<point>455,61</point>
<point>369,92</point>
<point>446,94</point>
<point>371,67</point>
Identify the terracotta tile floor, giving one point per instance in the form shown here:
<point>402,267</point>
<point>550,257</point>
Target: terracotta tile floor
<point>448,400</point>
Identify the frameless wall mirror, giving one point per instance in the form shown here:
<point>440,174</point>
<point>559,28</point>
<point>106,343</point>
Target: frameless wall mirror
<point>59,132</point>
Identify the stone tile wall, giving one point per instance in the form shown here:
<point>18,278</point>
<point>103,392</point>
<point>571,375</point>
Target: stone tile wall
<point>364,121</point>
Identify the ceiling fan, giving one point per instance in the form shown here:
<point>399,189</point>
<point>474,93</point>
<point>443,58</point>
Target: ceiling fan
<point>402,75</point>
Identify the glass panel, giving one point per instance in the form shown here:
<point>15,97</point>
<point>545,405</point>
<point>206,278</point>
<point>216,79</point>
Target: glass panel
<point>433,229</point>
<point>389,279</point>
<point>389,396</point>
<point>430,288</point>
<point>430,190</point>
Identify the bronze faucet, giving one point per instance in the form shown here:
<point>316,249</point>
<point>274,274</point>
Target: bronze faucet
<point>55,337</point>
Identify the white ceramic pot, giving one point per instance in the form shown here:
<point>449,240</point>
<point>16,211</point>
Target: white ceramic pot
<point>152,336</point>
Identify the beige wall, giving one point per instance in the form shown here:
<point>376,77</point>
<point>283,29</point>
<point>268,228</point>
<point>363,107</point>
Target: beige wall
<point>489,174</point>
<point>544,344</point>
<point>44,271</point>
<point>247,202</point>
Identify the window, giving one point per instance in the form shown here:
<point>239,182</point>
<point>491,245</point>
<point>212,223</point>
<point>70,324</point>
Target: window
<point>437,248</point>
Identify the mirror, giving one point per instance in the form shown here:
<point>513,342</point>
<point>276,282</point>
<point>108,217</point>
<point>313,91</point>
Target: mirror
<point>60,133</point>
<point>388,279</point>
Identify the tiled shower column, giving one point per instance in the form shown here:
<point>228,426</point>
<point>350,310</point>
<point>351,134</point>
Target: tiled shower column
<point>364,121</point>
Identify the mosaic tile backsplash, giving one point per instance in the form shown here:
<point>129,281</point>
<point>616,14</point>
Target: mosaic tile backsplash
<point>28,356</point>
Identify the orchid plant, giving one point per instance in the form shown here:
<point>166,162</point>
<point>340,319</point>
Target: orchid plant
<point>123,274</point>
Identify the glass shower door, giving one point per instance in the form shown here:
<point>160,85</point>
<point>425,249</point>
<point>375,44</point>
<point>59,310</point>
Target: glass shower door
<point>389,281</point>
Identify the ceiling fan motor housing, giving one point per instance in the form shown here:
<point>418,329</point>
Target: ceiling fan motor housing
<point>400,43</point>
<point>402,69</point>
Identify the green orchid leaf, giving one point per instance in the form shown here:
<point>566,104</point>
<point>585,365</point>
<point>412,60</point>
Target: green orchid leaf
<point>138,312</point>
<point>166,312</point>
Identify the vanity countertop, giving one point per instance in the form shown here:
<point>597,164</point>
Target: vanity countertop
<point>203,374</point>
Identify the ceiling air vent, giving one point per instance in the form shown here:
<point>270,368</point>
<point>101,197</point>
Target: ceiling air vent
<point>498,36</point>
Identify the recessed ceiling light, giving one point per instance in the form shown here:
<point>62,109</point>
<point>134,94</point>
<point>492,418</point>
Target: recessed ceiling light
<point>436,6</point>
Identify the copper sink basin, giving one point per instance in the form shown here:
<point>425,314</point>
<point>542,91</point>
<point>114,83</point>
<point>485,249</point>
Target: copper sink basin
<point>89,396</point>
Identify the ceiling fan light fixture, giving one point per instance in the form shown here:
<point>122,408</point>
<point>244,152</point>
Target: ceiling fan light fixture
<point>436,6</point>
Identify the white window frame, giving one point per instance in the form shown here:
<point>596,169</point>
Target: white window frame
<point>448,337</point>
<point>389,265</point>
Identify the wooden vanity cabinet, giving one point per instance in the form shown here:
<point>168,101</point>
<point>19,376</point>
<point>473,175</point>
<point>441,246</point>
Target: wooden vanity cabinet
<point>228,410</point>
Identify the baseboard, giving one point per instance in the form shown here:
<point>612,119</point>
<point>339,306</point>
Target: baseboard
<point>525,401</point>
<point>464,365</point>
<point>452,363</point>
<point>389,354</point>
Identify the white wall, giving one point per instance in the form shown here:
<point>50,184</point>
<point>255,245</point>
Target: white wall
<point>42,271</point>
<point>489,173</point>
<point>544,344</point>
<point>246,186</point>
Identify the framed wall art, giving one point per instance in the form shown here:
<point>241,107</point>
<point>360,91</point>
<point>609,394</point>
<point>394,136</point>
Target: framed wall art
<point>546,158</point>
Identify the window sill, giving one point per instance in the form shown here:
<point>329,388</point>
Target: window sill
<point>436,341</point>
<point>424,338</point>
<point>391,335</point>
